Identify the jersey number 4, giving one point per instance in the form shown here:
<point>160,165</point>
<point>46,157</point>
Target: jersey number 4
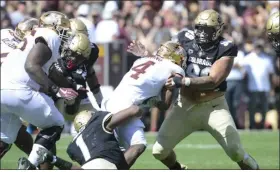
<point>141,69</point>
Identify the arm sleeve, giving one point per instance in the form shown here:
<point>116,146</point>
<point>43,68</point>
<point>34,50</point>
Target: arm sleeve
<point>105,120</point>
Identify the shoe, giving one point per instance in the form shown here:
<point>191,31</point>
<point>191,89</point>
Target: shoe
<point>25,164</point>
<point>183,167</point>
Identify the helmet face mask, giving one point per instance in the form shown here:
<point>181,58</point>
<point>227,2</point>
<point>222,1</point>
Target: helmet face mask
<point>76,50</point>
<point>272,29</point>
<point>274,39</point>
<point>204,34</point>
<point>72,59</point>
<point>56,21</point>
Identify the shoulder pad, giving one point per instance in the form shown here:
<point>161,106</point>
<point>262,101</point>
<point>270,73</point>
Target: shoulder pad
<point>50,36</point>
<point>227,48</point>
<point>187,34</point>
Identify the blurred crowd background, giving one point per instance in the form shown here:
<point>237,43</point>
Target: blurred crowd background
<point>252,96</point>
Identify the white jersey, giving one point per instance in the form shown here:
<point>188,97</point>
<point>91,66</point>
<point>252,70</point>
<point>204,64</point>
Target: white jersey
<point>145,79</point>
<point>8,43</point>
<point>13,74</point>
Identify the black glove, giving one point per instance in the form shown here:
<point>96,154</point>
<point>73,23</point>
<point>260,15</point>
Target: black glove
<point>178,81</point>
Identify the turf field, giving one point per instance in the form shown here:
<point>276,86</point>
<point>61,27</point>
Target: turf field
<point>198,151</point>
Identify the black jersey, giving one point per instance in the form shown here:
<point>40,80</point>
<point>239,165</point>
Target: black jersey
<point>64,77</point>
<point>96,142</point>
<point>199,62</point>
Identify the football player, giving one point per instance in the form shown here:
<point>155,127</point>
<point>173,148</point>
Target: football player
<point>202,104</point>
<point>273,33</point>
<point>82,74</point>
<point>24,92</point>
<point>9,41</point>
<point>95,146</point>
<point>11,38</point>
<point>145,79</point>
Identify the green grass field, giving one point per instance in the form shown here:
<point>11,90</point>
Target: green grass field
<point>198,151</point>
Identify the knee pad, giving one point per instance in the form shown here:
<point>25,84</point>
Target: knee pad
<point>160,152</point>
<point>4,148</point>
<point>49,136</point>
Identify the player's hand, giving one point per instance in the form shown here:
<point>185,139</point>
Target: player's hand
<point>174,82</point>
<point>81,88</point>
<point>136,48</point>
<point>67,93</point>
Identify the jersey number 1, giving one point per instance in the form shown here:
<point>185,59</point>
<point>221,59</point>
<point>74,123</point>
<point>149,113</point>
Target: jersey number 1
<point>83,147</point>
<point>141,69</point>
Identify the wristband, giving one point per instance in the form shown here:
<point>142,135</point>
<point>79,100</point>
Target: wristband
<point>187,82</point>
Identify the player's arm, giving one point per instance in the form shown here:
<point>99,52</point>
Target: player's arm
<point>119,118</point>
<point>218,73</point>
<point>94,86</point>
<point>91,79</point>
<point>37,57</point>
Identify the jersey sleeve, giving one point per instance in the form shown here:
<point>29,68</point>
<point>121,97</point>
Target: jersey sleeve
<point>185,36</point>
<point>93,56</point>
<point>105,121</point>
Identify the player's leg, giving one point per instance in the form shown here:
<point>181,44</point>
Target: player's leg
<point>154,119</point>
<point>24,140</point>
<point>99,163</point>
<point>41,112</point>
<point>221,126</point>
<point>178,124</point>
<point>131,136</point>
<point>10,123</point>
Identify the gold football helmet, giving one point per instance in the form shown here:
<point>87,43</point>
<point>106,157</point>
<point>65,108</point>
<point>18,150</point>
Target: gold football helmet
<point>173,51</point>
<point>76,50</point>
<point>208,26</point>
<point>272,29</point>
<point>25,27</point>
<point>77,26</point>
<point>82,119</point>
<point>81,45</point>
<point>56,21</point>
